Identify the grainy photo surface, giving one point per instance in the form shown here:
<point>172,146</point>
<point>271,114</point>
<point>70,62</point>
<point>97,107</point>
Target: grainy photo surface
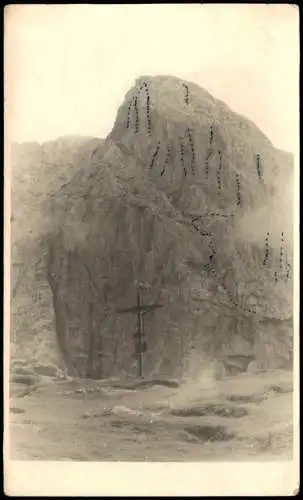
<point>150,219</point>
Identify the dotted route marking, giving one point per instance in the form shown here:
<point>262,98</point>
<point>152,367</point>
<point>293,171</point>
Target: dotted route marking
<point>258,166</point>
<point>168,153</point>
<point>281,258</point>
<point>210,268</point>
<point>136,115</point>
<point>266,253</point>
<point>209,152</point>
<point>219,172</point>
<point>182,157</point>
<point>193,154</point>
<point>186,97</point>
<point>238,190</point>
<point>281,250</point>
<point>134,103</point>
<point>154,157</point>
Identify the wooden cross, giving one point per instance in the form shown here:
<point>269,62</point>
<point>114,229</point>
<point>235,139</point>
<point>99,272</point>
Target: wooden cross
<point>140,310</point>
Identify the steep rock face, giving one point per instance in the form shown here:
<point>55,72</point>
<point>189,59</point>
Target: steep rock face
<point>37,171</point>
<point>184,197</point>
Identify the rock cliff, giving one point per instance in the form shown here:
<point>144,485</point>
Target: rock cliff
<point>190,204</point>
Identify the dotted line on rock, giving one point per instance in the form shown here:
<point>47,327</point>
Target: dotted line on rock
<point>206,163</point>
<point>231,298</point>
<point>193,154</point>
<point>211,135</point>
<point>129,112</point>
<point>182,157</point>
<point>266,256</point>
<point>145,86</point>
<point>203,233</point>
<point>166,161</point>
<point>209,267</point>
<point>209,152</point>
<point>213,214</point>
<point>288,267</point>
<point>276,274</point>
<point>219,172</point>
<point>238,190</point>
<point>134,101</point>
<point>281,250</point>
<point>148,114</point>
<point>208,235</point>
<point>258,165</point>
<point>136,115</point>
<point>154,157</point>
<point>186,97</point>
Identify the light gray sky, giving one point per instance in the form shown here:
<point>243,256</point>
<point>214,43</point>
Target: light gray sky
<point>68,67</point>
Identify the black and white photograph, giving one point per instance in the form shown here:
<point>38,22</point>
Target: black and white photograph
<point>150,267</point>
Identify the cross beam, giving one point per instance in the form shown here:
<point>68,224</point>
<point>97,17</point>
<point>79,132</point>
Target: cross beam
<point>140,310</point>
<point>144,308</point>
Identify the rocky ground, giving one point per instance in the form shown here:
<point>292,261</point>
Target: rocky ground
<point>244,417</point>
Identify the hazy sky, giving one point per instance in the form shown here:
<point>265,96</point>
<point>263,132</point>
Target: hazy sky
<point>68,67</point>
